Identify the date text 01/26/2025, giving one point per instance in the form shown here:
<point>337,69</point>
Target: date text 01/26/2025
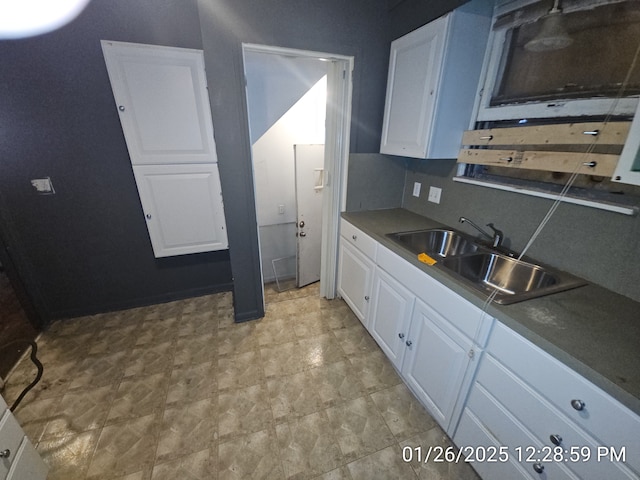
<point>525,454</point>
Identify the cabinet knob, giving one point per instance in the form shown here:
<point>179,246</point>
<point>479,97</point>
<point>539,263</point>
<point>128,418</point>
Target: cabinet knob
<point>401,335</point>
<point>148,215</point>
<point>5,453</point>
<point>555,439</point>
<point>121,108</point>
<point>409,343</point>
<point>577,404</point>
<point>539,468</point>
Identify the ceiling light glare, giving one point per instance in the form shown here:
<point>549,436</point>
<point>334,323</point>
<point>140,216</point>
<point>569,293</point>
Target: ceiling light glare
<point>27,18</point>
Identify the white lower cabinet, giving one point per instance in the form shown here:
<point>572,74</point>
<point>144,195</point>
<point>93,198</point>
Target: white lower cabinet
<point>391,308</point>
<point>438,359</point>
<point>19,460</point>
<point>514,411</point>
<point>355,276</point>
<point>552,422</point>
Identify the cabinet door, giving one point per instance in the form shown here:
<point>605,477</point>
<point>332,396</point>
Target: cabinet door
<point>391,307</point>
<point>162,100</point>
<point>414,72</point>
<point>355,274</point>
<point>436,362</point>
<point>183,208</point>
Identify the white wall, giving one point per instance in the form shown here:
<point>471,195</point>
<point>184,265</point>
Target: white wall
<point>273,164</point>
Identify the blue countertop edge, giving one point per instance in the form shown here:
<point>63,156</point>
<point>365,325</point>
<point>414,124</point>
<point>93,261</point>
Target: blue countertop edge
<point>592,330</point>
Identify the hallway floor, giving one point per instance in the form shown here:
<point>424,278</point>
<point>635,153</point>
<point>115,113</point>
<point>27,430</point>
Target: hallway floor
<point>179,391</point>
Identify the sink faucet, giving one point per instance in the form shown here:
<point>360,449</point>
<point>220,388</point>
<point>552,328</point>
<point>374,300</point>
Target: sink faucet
<point>496,238</point>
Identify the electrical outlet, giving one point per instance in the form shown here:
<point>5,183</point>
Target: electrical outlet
<point>434,194</point>
<point>416,189</point>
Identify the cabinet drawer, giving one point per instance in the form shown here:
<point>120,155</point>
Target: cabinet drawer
<point>471,432</point>
<point>28,465</point>
<point>509,433</point>
<point>604,418</point>
<point>359,239</point>
<point>543,421</point>
<point>465,316</point>
<point>10,437</point>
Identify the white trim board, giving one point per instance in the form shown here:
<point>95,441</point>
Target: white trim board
<point>631,211</point>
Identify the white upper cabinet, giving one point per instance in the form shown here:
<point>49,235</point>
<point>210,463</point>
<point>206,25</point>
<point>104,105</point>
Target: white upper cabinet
<point>161,97</point>
<point>432,83</point>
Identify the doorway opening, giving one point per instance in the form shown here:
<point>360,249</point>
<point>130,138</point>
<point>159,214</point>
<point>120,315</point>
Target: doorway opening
<point>299,117</point>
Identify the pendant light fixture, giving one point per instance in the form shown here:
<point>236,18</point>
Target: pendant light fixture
<point>26,18</point>
<point>553,33</point>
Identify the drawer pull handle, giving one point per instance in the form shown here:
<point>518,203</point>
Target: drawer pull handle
<point>355,237</point>
<point>577,405</point>
<point>366,297</point>
<point>538,467</point>
<point>5,453</point>
<point>555,439</point>
<point>401,335</point>
<point>409,343</point>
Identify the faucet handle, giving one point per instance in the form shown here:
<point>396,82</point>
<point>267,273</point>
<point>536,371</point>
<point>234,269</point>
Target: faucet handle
<point>498,235</point>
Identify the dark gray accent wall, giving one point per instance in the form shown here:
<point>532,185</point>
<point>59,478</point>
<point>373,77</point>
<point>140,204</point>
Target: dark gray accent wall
<point>407,15</point>
<point>86,249</point>
<point>375,181</point>
<point>356,28</point>
<point>597,245</point>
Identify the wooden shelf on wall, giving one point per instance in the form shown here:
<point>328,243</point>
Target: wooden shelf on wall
<point>547,147</point>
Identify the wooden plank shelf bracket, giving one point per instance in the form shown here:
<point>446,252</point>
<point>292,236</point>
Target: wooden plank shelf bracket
<point>545,147</point>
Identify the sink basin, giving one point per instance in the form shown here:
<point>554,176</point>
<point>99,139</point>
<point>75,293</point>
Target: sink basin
<point>436,242</point>
<point>514,280</point>
<point>485,269</point>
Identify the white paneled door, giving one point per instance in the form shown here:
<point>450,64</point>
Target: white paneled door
<point>161,97</point>
<point>309,173</point>
<point>182,207</point>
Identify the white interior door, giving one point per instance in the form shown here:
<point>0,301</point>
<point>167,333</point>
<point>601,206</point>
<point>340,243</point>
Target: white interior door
<point>161,96</point>
<point>309,166</point>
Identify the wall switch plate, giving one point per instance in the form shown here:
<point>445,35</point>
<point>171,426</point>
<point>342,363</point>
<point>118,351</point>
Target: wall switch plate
<point>281,209</point>
<point>416,189</point>
<point>434,194</point>
<point>43,185</point>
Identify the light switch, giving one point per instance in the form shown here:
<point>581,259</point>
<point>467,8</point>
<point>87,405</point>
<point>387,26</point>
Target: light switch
<point>281,209</point>
<point>416,189</point>
<point>43,185</point>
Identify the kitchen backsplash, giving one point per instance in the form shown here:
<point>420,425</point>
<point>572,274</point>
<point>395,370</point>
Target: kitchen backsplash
<point>599,246</point>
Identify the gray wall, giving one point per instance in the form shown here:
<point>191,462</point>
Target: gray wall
<point>375,181</point>
<point>599,246</point>
<point>86,248</point>
<point>357,27</point>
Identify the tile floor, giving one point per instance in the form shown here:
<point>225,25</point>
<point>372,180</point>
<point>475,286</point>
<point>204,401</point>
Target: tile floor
<point>178,391</point>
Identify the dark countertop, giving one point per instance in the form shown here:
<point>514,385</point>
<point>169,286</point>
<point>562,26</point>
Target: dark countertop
<point>592,330</point>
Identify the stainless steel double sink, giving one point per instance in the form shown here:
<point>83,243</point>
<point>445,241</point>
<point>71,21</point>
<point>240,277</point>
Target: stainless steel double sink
<point>485,269</point>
